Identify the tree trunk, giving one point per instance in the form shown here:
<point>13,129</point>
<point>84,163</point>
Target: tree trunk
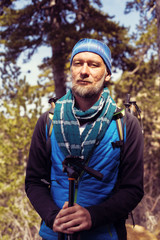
<point>58,49</point>
<point>158,29</point>
<point>58,66</point>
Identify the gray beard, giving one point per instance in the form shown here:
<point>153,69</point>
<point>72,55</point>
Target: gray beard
<point>88,91</point>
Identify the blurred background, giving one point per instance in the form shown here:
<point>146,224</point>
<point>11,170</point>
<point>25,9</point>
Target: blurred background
<point>36,39</point>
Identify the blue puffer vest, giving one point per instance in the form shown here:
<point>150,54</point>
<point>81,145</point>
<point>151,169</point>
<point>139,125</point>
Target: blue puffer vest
<point>91,191</point>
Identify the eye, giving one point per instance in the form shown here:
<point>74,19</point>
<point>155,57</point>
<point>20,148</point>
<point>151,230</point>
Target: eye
<point>94,64</point>
<point>76,63</point>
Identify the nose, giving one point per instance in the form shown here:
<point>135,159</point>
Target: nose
<point>85,70</point>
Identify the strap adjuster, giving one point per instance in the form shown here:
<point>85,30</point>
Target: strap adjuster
<point>117,144</point>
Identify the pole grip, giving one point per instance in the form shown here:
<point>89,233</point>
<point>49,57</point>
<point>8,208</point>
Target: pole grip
<point>71,191</point>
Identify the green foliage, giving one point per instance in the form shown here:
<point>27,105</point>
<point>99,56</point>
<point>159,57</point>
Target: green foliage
<point>17,218</point>
<point>141,80</point>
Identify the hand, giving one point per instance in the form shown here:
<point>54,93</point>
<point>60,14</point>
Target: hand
<point>72,219</point>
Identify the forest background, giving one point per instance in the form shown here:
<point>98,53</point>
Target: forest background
<point>59,25</point>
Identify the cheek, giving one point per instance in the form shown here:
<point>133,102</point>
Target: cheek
<point>98,78</point>
<point>98,75</point>
<point>74,74</point>
<point>74,78</point>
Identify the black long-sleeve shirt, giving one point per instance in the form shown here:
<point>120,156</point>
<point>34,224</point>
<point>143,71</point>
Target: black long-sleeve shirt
<point>128,193</point>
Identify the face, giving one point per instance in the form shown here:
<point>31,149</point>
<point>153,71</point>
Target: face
<point>89,74</point>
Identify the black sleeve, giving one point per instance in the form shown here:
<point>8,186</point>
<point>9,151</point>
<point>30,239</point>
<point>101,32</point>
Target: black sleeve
<point>38,168</point>
<point>130,182</point>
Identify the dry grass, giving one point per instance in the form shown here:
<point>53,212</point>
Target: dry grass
<point>139,233</point>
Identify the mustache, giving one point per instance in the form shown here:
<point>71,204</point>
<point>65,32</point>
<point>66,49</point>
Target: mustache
<point>84,80</point>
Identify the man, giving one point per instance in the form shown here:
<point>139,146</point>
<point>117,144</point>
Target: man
<point>84,126</point>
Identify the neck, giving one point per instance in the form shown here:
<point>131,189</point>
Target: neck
<point>86,103</point>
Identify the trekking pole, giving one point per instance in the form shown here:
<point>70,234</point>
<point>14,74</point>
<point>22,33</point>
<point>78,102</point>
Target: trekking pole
<point>71,203</point>
<point>133,108</point>
<point>72,177</point>
<point>74,167</point>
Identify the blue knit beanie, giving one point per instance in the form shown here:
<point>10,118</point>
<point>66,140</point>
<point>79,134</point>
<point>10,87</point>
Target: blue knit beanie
<point>95,46</point>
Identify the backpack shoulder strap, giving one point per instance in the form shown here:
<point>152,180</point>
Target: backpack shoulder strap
<point>52,101</point>
<point>49,125</point>
<point>119,117</point>
<point>50,121</point>
<point>49,128</point>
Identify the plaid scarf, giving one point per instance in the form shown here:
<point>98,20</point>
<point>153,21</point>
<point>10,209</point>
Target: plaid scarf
<point>66,124</point>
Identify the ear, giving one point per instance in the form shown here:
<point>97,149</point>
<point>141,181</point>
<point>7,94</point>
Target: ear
<point>107,77</point>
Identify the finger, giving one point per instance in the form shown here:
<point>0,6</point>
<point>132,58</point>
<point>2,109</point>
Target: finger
<point>61,228</point>
<point>65,205</point>
<point>65,217</point>
<point>76,212</point>
<point>79,227</point>
<point>74,222</point>
<point>82,220</point>
<point>66,211</point>
<point>60,225</point>
<point>73,219</point>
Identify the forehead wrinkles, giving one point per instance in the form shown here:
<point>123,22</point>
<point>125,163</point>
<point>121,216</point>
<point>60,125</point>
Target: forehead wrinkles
<point>88,57</point>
